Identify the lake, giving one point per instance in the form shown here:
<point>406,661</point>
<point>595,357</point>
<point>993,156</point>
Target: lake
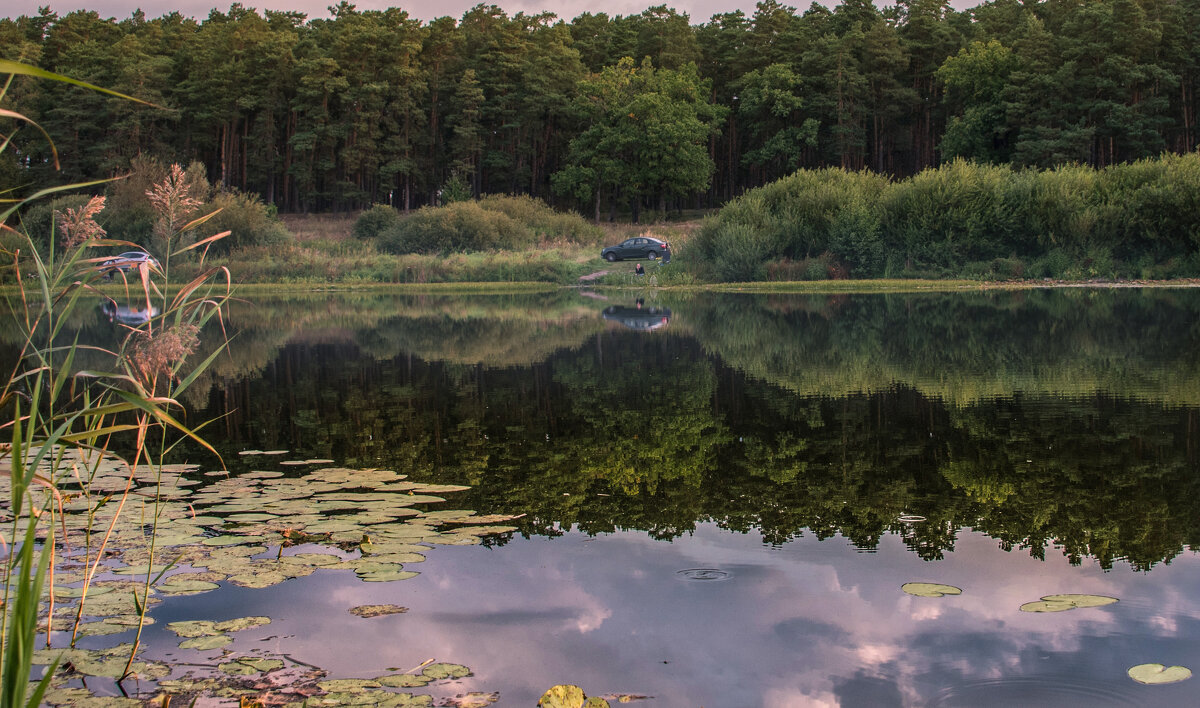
<point>690,499</point>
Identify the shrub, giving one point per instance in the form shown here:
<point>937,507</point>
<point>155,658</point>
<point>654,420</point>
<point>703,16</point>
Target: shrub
<point>374,221</point>
<point>493,223</point>
<point>545,223</point>
<point>249,221</point>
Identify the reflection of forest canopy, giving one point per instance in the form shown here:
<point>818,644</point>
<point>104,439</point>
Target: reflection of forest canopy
<point>636,432</point>
<point>1040,418</point>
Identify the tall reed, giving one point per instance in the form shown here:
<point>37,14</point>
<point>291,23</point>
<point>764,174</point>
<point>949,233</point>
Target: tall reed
<point>56,409</point>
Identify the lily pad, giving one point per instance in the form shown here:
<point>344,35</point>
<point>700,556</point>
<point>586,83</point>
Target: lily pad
<point>1155,674</point>
<point>186,587</point>
<point>237,625</point>
<point>387,576</point>
<point>930,589</point>
<point>472,700</point>
<point>194,628</point>
<point>404,680</point>
<point>206,643</point>
<point>348,685</point>
<point>246,667</point>
<point>377,610</point>
<point>258,580</point>
<point>568,696</point>
<point>227,540</point>
<point>438,672</point>
<point>1069,601</point>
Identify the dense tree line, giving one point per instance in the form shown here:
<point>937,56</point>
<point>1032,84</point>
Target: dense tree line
<point>603,112</point>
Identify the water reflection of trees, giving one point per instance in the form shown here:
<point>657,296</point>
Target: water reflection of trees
<point>652,433</point>
<point>1045,419</point>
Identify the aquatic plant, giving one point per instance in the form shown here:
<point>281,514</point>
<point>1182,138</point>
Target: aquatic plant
<point>63,421</point>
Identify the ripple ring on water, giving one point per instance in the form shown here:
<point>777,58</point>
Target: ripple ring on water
<point>910,518</point>
<point>707,574</point>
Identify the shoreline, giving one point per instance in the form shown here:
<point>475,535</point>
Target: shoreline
<point>866,286</point>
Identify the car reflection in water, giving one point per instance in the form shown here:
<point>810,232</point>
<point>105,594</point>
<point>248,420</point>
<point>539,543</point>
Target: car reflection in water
<point>639,317</point>
<point>123,314</point>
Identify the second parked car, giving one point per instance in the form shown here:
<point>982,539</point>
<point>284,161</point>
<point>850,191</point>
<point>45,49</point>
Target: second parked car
<point>126,261</point>
<point>638,247</point>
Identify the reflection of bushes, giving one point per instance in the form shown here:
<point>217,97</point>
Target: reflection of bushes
<point>1127,343</point>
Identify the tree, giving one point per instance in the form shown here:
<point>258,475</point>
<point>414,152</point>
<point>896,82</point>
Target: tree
<point>974,82</point>
<point>771,106</point>
<point>646,136</point>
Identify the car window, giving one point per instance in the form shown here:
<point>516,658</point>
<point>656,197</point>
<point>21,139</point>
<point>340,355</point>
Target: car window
<point>629,242</point>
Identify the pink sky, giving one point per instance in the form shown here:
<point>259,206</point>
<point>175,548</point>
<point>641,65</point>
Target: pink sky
<point>699,10</point>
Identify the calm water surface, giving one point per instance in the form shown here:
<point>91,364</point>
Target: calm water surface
<point>723,495</point>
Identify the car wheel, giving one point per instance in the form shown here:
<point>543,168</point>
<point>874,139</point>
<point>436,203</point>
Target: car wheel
<point>610,257</point>
<point>652,255</point>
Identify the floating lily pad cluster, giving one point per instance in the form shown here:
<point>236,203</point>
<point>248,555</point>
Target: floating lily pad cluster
<point>1068,601</point>
<point>1150,674</point>
<point>208,529</point>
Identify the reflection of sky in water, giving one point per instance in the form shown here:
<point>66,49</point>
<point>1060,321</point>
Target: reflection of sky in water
<point>809,624</point>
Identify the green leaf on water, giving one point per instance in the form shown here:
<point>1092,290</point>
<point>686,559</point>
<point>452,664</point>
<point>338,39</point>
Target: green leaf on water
<point>228,540</point>
<point>348,685</point>
<point>194,628</point>
<point>387,576</point>
<point>185,587</point>
<point>206,643</point>
<point>96,629</point>
<point>258,580</point>
<point>473,699</point>
<point>246,667</point>
<point>69,593</point>
<point>1153,674</point>
<point>438,672</point>
<point>930,589</point>
<point>404,680</point>
<point>237,625</point>
<point>1068,601</point>
<point>106,702</point>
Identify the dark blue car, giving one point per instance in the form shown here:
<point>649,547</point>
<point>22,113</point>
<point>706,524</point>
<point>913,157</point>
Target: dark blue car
<point>637,247</point>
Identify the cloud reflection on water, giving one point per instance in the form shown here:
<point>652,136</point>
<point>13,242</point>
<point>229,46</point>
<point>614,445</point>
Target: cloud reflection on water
<point>811,623</point>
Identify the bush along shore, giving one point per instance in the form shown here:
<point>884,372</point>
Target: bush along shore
<point>1138,220</point>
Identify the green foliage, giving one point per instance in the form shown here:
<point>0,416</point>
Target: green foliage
<point>455,189</point>
<point>974,219</point>
<point>374,106</point>
<point>491,224</point>
<point>249,221</point>
<point>374,221</point>
<point>546,223</point>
